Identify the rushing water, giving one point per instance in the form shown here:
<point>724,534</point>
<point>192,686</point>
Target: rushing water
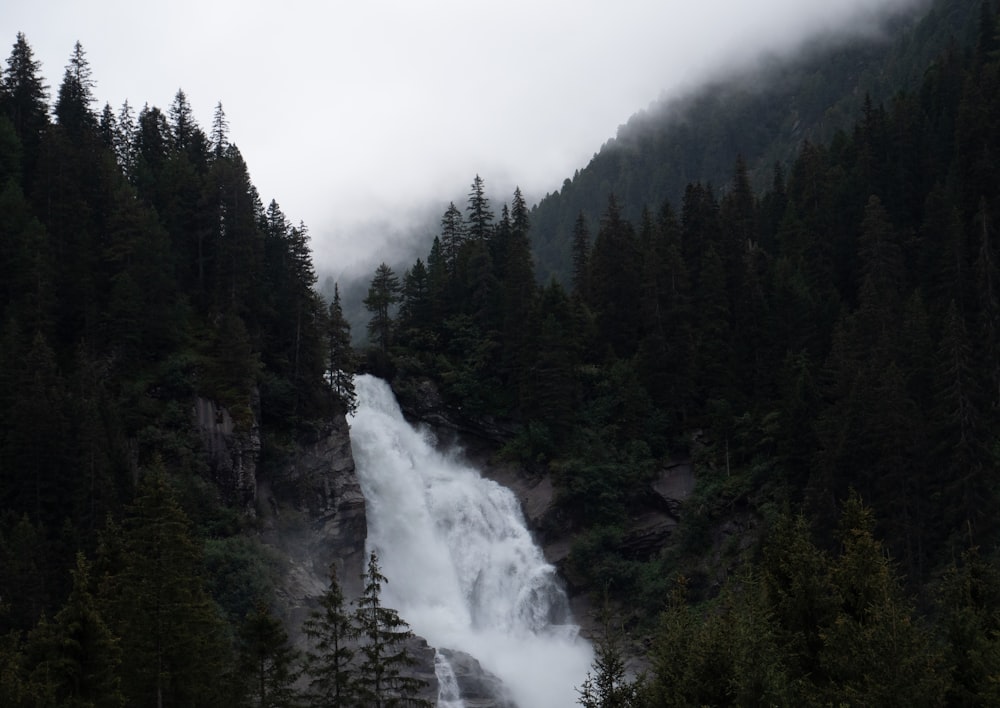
<point>462,567</point>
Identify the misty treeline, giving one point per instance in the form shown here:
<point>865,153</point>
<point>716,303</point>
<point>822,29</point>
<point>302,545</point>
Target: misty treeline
<point>139,270</point>
<point>834,337</point>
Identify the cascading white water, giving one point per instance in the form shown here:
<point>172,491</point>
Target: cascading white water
<point>462,567</point>
<point>449,694</point>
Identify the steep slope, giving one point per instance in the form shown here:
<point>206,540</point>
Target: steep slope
<point>763,114</point>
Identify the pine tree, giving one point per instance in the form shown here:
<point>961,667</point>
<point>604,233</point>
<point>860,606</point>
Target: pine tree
<point>383,293</point>
<point>968,601</point>
<point>173,649</point>
<point>267,661</point>
<point>125,140</point>
<point>340,354</point>
<point>581,258</point>
<point>519,294</point>
<point>608,686</point>
<point>330,660</point>
<point>874,651</point>
<point>76,655</point>
<point>452,237</point>
<point>24,99</point>
<point>382,682</point>
<point>76,94</point>
<point>182,123</point>
<point>480,217</point>
<point>220,131</point>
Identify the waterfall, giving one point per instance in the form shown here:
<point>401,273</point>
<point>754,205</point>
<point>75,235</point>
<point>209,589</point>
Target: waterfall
<point>462,567</point>
<point>449,695</point>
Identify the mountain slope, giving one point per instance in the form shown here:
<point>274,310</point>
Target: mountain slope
<point>763,114</point>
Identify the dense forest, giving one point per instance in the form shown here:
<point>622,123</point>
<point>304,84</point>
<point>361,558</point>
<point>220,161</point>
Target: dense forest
<point>140,271</point>
<point>763,111</point>
<point>825,349</point>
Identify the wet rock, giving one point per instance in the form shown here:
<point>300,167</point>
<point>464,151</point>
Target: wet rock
<point>314,513</point>
<point>478,687</point>
<point>232,452</point>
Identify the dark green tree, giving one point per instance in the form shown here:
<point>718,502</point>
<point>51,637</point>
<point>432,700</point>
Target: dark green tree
<point>581,258</point>
<point>76,94</point>
<point>330,660</point>
<point>340,354</point>
<point>453,233</point>
<point>267,661</point>
<point>479,217</point>
<point>607,684</point>
<point>75,655</point>
<point>968,600</point>
<point>24,99</point>
<point>174,652</point>
<point>383,293</point>
<point>220,131</point>
<point>382,678</point>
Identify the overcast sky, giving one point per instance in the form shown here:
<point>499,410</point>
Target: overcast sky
<point>355,116</point>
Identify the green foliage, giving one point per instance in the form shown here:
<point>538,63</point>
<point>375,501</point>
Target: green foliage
<point>807,628</point>
<point>172,638</point>
<point>267,661</point>
<point>608,685</point>
<point>76,657</point>
<point>241,573</point>
<point>384,655</point>
<point>329,663</point>
<point>968,602</point>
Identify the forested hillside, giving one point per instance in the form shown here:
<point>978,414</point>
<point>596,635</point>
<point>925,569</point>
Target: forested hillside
<point>141,275</point>
<point>824,349</point>
<point>762,112</point>
<point>823,346</point>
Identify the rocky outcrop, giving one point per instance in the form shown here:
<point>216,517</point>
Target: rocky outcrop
<point>314,513</point>
<point>232,453</point>
<point>477,687</point>
<point>421,400</point>
<point>660,512</point>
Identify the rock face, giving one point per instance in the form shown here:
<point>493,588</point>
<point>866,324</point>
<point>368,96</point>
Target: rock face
<point>232,453</point>
<point>652,526</point>
<point>314,512</point>
<point>478,687</point>
<point>420,399</point>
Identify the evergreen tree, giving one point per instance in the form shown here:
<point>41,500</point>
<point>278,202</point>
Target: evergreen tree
<point>76,94</point>
<point>173,648</point>
<point>615,263</point>
<point>452,237</point>
<point>518,284</point>
<point>24,99</point>
<point>267,661</point>
<point>76,656</point>
<point>340,354</point>
<point>968,600</point>
<point>581,258</point>
<point>383,293</point>
<point>220,131</point>
<point>182,122</point>
<point>479,216</point>
<point>125,140</point>
<point>874,651</point>
<point>608,686</point>
<point>382,681</point>
<point>330,661</point>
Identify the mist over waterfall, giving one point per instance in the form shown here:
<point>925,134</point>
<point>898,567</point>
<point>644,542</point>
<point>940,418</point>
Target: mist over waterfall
<point>462,567</point>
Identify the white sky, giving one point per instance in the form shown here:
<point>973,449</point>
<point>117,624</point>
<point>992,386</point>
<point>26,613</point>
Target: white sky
<point>356,116</point>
